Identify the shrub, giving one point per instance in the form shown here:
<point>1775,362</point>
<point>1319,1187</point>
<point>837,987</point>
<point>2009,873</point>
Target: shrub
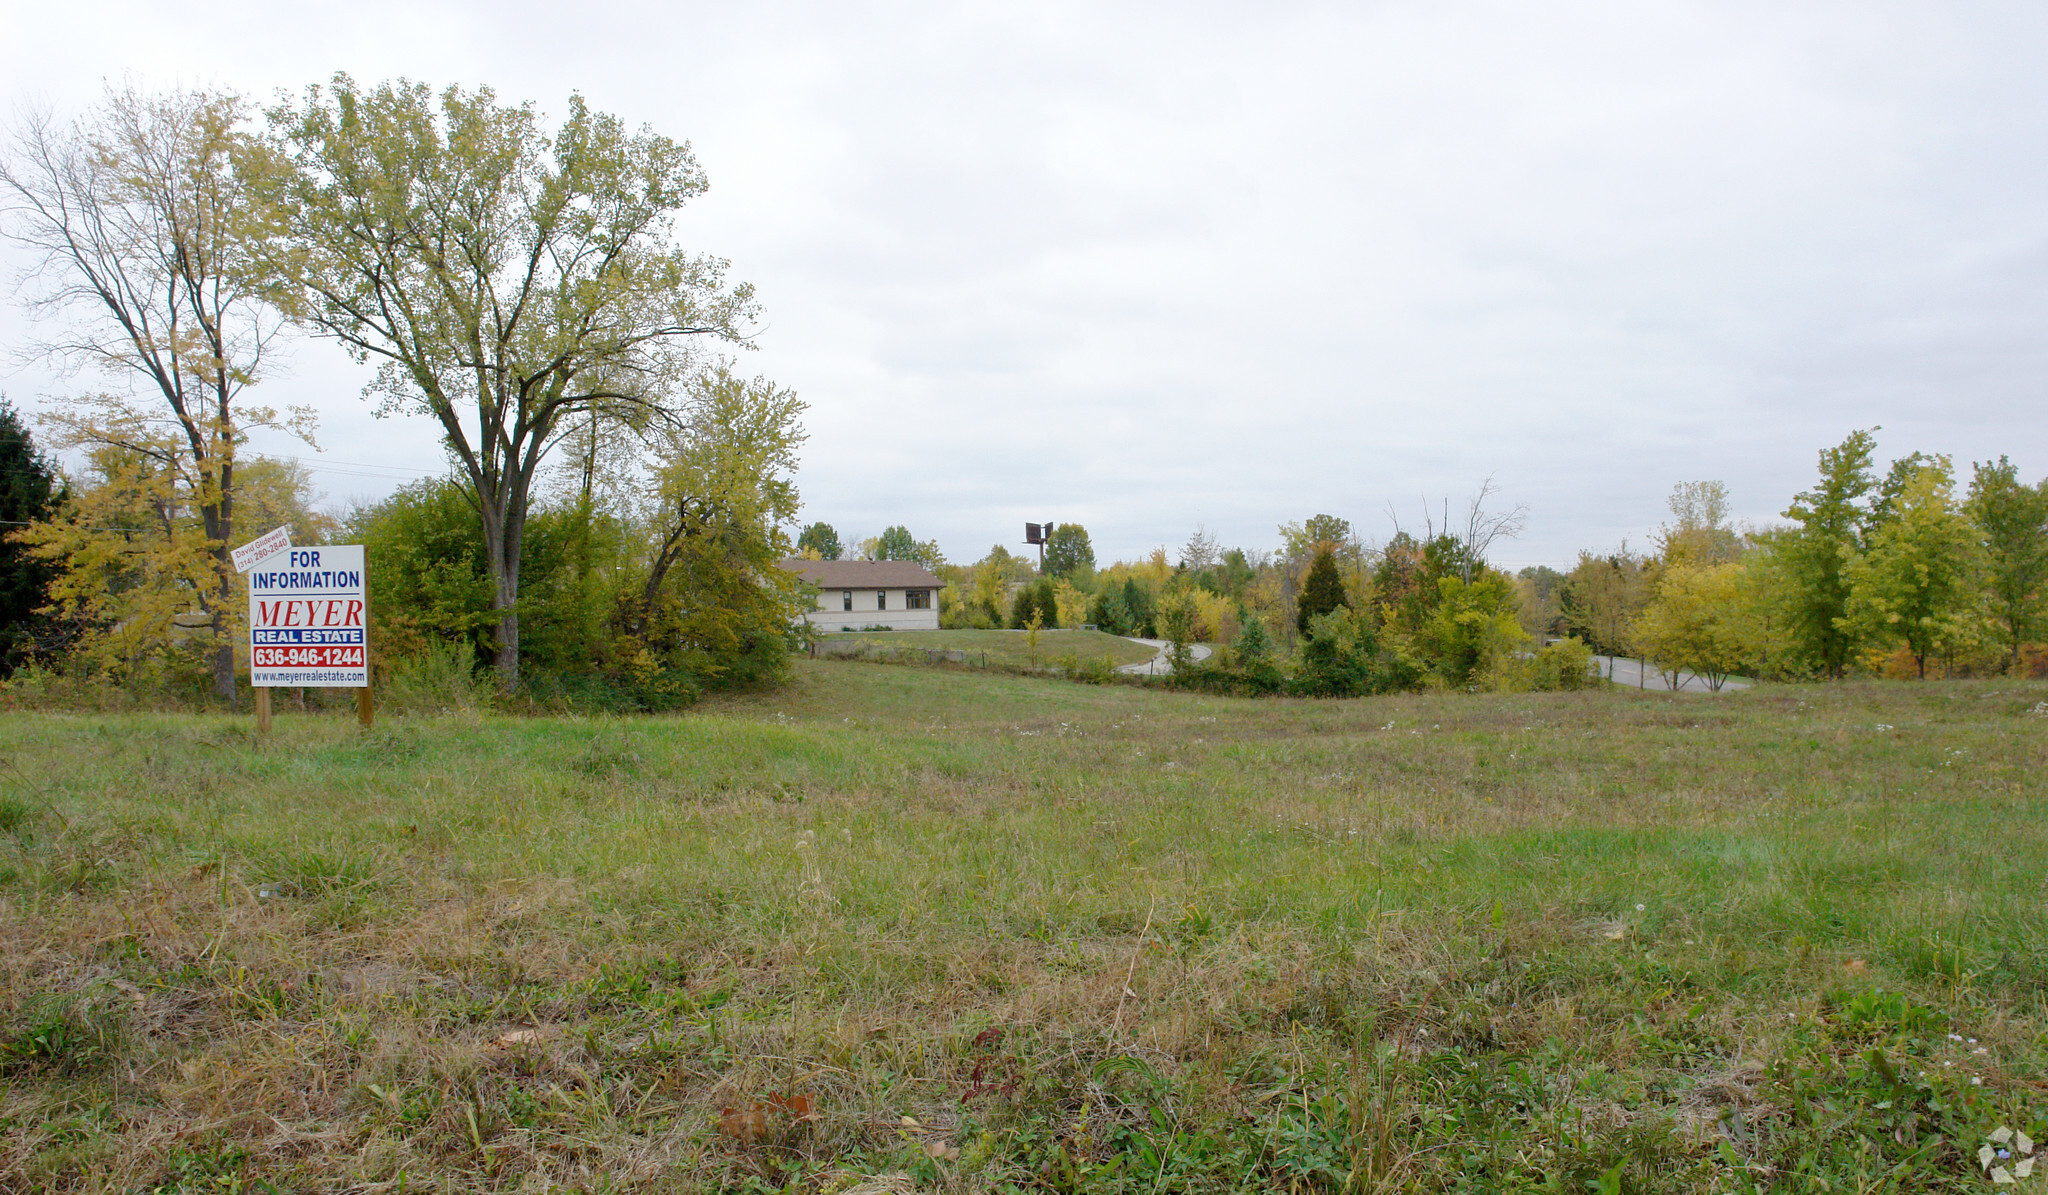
<point>1098,671</point>
<point>1333,661</point>
<point>1343,655</point>
<point>1474,631</point>
<point>1560,667</point>
<point>438,677</point>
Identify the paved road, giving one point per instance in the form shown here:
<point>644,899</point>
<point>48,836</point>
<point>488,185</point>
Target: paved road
<point>1617,669</point>
<point>1159,665</point>
<point>1624,671</point>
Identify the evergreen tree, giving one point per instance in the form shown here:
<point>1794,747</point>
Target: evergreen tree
<point>1108,612</point>
<point>28,491</point>
<point>1037,598</point>
<point>1321,591</point>
<point>1253,644</point>
<point>1253,653</point>
<point>1832,521</point>
<point>1138,601</point>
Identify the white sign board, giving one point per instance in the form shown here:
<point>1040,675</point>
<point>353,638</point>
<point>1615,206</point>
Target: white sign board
<point>307,619</point>
<point>260,549</point>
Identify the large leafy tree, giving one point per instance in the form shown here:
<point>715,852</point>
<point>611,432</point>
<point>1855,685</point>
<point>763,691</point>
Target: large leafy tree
<point>2012,518</point>
<point>896,543</point>
<point>1602,596</point>
<point>993,575</point>
<point>1068,552</point>
<point>1299,541</point>
<point>1919,581</point>
<point>1831,521</point>
<point>720,493</point>
<point>1699,532</point>
<point>509,282</point>
<point>1404,583</point>
<point>136,225</point>
<point>820,538</point>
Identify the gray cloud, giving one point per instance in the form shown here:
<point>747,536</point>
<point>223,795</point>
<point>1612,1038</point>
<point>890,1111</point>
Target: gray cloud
<point>1146,266</point>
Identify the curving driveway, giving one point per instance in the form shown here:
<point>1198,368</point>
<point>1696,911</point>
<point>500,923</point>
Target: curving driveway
<point>1159,665</point>
<point>1623,671</point>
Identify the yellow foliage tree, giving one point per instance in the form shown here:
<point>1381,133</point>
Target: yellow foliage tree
<point>1699,620</point>
<point>1215,617</point>
<point>1071,603</point>
<point>140,230</point>
<point>137,574</point>
<point>1920,582</point>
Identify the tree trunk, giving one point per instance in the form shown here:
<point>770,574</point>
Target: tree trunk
<point>505,601</point>
<point>218,519</point>
<point>223,631</point>
<point>501,551</point>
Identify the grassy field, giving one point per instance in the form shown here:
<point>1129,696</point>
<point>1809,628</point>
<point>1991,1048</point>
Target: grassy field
<point>1010,648</point>
<point>897,929</point>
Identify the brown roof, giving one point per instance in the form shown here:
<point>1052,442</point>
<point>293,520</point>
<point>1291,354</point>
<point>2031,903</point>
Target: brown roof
<point>864,574</point>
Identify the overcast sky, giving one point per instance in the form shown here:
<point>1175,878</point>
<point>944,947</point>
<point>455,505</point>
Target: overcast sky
<point>1144,267</point>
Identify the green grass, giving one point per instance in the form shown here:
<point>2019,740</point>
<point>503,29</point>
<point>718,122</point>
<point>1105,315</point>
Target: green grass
<point>1010,648</point>
<point>1083,938</point>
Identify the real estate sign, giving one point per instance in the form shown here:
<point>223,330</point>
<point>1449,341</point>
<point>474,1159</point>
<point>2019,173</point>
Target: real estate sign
<point>308,623</point>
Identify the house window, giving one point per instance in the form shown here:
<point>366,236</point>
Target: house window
<point>846,599</point>
<point>881,599</point>
<point>917,599</point>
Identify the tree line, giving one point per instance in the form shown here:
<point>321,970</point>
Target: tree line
<point>1885,573</point>
<point>617,493</point>
<point>1323,614</point>
<point>1903,572</point>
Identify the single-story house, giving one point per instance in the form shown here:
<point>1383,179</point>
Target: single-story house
<point>856,594</point>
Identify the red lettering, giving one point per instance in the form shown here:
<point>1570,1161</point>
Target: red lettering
<point>354,617</point>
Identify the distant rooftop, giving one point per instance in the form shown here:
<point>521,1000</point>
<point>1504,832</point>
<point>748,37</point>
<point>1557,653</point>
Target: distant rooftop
<point>864,574</point>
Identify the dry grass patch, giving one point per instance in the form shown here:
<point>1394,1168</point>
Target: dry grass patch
<point>1082,938</point>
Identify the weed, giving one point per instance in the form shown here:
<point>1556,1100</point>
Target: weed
<point>63,1035</point>
<point>15,815</point>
